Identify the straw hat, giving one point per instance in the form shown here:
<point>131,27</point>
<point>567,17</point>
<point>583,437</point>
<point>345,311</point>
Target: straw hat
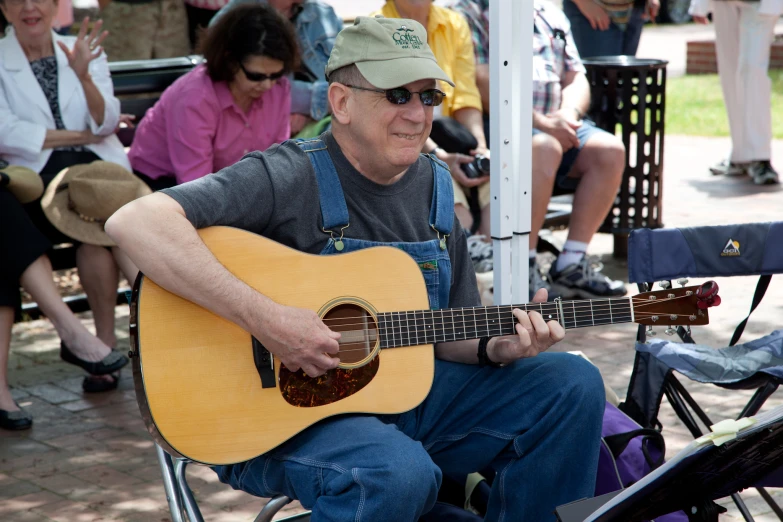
<point>81,198</point>
<point>25,184</point>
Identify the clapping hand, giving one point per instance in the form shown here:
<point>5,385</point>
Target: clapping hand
<point>86,48</point>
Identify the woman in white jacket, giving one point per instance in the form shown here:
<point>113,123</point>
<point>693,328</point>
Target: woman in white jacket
<point>57,109</point>
<point>744,30</point>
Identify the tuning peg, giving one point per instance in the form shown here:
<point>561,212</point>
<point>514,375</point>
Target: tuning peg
<point>651,332</point>
<point>670,331</point>
<point>665,285</point>
<point>682,282</point>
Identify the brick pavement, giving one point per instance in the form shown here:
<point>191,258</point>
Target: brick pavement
<point>88,458</point>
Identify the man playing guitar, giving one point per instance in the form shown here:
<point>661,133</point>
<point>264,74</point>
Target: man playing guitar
<point>498,401</point>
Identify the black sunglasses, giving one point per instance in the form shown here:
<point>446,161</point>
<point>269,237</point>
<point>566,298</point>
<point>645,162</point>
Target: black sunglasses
<point>261,77</point>
<point>401,95</point>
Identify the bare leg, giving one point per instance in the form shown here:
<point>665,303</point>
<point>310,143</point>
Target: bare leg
<point>601,163</point>
<point>547,155</point>
<point>485,228</point>
<point>37,280</point>
<point>127,267</point>
<point>463,215</point>
<point>6,322</point>
<point>99,276</point>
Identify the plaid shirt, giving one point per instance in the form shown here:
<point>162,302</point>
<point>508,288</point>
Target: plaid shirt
<point>554,51</point>
<point>477,14</point>
<point>554,54</point>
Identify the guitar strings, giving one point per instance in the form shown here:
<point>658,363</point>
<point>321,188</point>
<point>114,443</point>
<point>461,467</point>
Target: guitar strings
<point>568,317</point>
<point>454,326</point>
<point>568,308</point>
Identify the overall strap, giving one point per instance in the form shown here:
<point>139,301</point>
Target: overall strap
<point>334,211</point>
<point>442,209</point>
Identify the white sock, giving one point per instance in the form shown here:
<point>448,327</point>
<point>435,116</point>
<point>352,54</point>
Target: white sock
<point>532,253</point>
<point>572,253</point>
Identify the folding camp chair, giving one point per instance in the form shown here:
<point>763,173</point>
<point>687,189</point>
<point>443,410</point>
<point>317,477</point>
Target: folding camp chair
<point>182,503</point>
<point>671,254</point>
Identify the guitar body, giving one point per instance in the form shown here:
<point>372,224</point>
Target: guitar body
<point>197,385</point>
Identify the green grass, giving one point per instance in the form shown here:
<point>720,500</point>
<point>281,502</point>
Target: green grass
<point>694,105</point>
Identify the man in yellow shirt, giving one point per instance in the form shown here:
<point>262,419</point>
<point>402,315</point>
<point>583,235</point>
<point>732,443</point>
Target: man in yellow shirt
<point>449,37</point>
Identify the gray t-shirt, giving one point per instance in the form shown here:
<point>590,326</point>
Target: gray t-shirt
<point>275,194</point>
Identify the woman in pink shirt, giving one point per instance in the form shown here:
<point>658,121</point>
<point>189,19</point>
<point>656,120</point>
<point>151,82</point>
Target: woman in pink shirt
<point>239,101</point>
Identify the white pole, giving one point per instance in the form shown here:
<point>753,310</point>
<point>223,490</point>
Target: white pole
<point>511,115</point>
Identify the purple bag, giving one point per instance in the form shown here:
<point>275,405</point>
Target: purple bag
<point>628,452</point>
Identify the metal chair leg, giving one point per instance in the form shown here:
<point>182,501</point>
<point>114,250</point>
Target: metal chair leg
<point>771,502</point>
<point>169,484</point>
<point>759,398</point>
<point>680,408</point>
<point>272,507</point>
<point>191,508</point>
<point>182,503</point>
<point>743,509</point>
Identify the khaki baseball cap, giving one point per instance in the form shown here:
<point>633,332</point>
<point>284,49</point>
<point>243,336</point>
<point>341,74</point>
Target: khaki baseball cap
<point>389,52</point>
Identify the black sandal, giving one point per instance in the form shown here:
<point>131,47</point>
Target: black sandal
<point>92,384</point>
<point>109,364</point>
<point>15,420</point>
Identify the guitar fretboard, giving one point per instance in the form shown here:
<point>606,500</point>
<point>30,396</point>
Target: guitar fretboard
<point>455,324</point>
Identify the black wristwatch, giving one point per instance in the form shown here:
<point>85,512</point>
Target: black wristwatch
<point>483,358</point>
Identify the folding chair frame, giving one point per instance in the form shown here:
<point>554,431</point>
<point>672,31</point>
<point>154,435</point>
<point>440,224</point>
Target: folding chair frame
<point>686,407</point>
<point>182,503</point>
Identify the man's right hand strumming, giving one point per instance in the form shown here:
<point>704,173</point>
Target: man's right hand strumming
<point>300,339</point>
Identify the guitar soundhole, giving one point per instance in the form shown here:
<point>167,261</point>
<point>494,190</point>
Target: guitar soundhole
<point>359,333</point>
<point>359,361</point>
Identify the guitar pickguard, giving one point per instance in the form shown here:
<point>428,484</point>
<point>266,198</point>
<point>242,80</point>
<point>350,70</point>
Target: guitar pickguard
<point>306,392</point>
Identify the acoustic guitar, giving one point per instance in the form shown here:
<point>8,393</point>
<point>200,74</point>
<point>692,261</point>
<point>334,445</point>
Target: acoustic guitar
<point>211,392</point>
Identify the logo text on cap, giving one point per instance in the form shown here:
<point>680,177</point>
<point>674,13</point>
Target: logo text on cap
<point>405,40</point>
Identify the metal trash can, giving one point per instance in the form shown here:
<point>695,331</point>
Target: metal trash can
<point>628,96</point>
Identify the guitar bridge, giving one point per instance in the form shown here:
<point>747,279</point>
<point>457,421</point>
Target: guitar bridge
<point>265,364</point>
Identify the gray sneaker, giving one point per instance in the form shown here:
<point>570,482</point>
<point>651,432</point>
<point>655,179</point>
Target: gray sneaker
<point>728,168</point>
<point>584,280</point>
<point>763,173</point>
<point>538,280</point>
<point>480,253</point>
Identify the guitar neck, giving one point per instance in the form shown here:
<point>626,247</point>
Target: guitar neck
<point>397,329</point>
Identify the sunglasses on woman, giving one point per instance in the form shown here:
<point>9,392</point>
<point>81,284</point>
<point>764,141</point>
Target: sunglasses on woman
<point>401,95</point>
<point>261,77</point>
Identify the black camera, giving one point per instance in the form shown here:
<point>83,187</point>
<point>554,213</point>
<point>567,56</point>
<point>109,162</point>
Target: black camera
<point>477,168</point>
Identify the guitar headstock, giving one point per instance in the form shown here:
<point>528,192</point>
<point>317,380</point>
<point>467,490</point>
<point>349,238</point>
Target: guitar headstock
<point>686,306</point>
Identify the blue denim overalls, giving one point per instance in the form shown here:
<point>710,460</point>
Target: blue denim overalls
<point>523,420</point>
<point>432,256</point>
